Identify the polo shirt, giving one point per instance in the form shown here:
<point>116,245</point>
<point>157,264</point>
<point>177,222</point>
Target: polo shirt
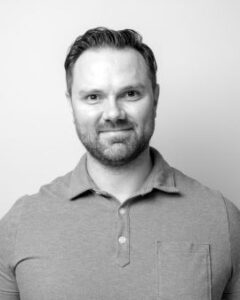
<point>175,239</point>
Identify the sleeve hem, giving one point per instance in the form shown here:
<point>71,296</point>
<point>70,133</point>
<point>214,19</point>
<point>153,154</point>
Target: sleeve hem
<point>21,203</point>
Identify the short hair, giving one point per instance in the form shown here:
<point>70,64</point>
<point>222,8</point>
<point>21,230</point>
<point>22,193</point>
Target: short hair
<point>101,37</point>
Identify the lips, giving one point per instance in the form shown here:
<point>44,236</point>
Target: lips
<point>114,129</point>
<point>117,127</point>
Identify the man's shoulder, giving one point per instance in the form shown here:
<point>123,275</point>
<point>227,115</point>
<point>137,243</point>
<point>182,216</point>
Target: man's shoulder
<point>191,186</point>
<point>56,190</point>
<point>50,195</point>
<point>190,190</point>
<point>193,190</point>
<point>60,190</point>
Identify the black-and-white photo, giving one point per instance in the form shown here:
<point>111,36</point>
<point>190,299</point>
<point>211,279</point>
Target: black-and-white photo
<point>120,150</point>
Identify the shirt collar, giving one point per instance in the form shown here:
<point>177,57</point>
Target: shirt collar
<point>80,181</point>
<point>161,177</point>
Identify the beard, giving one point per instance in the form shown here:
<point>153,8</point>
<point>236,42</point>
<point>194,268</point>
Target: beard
<point>117,143</point>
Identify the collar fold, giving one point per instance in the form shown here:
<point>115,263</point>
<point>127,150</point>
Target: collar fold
<point>161,178</point>
<point>80,181</point>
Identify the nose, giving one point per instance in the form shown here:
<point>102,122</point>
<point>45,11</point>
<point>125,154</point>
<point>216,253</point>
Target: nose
<point>113,111</point>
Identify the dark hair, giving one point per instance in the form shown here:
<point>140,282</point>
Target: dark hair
<point>104,37</point>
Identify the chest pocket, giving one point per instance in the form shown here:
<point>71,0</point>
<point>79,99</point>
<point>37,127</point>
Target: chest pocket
<point>184,271</point>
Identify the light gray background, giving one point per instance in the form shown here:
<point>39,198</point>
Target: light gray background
<point>197,47</point>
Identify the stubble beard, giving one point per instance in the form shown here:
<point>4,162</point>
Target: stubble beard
<point>116,151</point>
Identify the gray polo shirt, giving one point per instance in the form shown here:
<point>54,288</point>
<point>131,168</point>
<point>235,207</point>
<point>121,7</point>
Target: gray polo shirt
<point>174,240</point>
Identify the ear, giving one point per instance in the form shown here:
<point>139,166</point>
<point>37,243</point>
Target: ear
<point>156,94</point>
<point>68,96</point>
<point>69,100</point>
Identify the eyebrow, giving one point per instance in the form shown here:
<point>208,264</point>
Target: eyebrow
<point>90,91</point>
<point>134,87</point>
<point>98,91</point>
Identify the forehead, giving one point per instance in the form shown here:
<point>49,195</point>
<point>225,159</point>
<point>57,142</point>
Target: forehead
<point>108,64</point>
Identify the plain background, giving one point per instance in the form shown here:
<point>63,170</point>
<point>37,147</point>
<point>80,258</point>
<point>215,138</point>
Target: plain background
<point>197,47</point>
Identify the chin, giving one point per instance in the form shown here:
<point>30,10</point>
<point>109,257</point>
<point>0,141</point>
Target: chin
<point>115,161</point>
<point>118,155</point>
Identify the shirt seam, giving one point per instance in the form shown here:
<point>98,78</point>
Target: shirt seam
<point>229,234</point>
<point>234,293</point>
<point>16,233</point>
<point>173,172</point>
<point>9,293</point>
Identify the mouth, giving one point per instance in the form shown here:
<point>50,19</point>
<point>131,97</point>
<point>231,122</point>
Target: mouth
<point>109,130</point>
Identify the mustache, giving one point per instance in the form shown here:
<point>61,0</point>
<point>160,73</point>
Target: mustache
<point>114,126</point>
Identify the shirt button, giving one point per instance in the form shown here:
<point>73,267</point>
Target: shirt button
<point>122,211</point>
<point>122,239</point>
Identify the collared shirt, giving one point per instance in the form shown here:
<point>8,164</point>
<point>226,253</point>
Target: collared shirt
<point>174,240</point>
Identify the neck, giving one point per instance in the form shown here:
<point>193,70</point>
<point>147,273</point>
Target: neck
<point>121,182</point>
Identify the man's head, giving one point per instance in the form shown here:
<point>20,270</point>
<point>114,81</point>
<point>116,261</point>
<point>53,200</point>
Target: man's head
<point>102,37</point>
<point>113,94</point>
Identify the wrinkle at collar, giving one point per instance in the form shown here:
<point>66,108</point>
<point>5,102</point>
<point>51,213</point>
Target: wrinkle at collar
<point>80,180</point>
<point>161,177</point>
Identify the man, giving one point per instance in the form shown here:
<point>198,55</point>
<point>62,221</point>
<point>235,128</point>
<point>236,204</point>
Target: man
<point>123,224</point>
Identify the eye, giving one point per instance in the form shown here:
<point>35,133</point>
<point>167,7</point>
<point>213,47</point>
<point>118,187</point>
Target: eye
<point>92,98</point>
<point>132,95</point>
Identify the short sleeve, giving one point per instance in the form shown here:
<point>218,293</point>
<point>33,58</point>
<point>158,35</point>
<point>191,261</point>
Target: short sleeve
<point>8,231</point>
<point>232,291</point>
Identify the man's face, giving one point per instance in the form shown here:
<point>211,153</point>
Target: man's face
<point>114,105</point>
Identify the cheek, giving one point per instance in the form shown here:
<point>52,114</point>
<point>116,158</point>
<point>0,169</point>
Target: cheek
<point>146,117</point>
<point>81,122</point>
<point>85,116</point>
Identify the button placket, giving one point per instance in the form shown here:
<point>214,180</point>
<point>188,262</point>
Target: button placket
<point>123,238</point>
